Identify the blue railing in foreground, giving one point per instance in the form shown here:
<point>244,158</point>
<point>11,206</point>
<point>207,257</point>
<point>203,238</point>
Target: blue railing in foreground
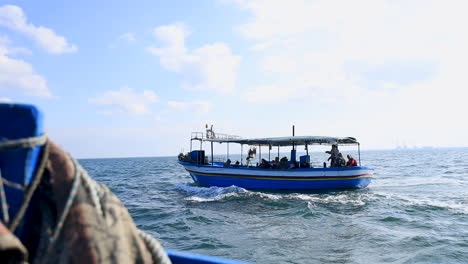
<point>179,257</point>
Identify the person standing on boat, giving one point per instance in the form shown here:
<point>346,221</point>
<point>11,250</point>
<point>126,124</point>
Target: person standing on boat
<point>333,155</point>
<point>251,154</point>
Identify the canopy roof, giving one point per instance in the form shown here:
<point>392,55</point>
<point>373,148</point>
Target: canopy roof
<point>287,141</point>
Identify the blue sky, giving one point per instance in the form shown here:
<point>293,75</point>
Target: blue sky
<point>121,79</point>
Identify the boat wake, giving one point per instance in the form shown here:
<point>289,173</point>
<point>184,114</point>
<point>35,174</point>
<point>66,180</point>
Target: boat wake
<point>427,204</point>
<point>209,194</point>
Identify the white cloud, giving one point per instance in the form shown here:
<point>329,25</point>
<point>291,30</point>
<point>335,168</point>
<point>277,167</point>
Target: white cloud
<point>310,45</point>
<point>14,18</point>
<point>395,67</point>
<point>128,37</point>
<point>197,106</point>
<point>126,100</point>
<point>5,100</point>
<point>17,75</point>
<point>210,67</point>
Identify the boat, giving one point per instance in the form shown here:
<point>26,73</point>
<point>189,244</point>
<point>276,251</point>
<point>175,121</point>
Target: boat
<point>284,174</point>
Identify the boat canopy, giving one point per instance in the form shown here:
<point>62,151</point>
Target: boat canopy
<point>287,141</point>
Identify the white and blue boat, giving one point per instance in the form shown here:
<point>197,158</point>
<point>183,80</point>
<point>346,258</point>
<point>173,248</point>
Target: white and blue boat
<point>274,175</point>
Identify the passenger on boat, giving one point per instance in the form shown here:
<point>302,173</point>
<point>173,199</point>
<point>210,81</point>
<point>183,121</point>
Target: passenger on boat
<point>340,162</point>
<point>351,161</point>
<point>236,164</point>
<point>227,163</point>
<point>264,165</point>
<point>274,163</point>
<point>283,163</point>
<point>181,156</point>
<point>333,155</point>
<point>251,154</point>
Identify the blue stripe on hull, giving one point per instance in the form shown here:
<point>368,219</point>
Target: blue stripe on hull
<point>280,184</point>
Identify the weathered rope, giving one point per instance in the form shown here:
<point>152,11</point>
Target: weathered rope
<point>13,185</point>
<point>157,252</point>
<point>4,204</point>
<point>32,187</point>
<point>68,204</point>
<point>96,192</point>
<point>31,142</point>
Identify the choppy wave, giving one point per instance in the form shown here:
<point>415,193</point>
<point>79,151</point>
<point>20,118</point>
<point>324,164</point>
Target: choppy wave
<point>207,194</point>
<point>453,206</point>
<point>415,210</point>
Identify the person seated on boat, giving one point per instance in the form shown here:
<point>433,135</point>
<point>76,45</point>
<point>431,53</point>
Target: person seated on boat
<point>351,161</point>
<point>181,156</point>
<point>340,161</point>
<point>236,164</point>
<point>274,163</point>
<point>283,164</point>
<point>227,163</point>
<point>264,164</point>
<point>333,155</point>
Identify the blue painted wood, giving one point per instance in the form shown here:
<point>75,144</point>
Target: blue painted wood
<point>18,121</point>
<point>178,257</point>
<point>280,184</point>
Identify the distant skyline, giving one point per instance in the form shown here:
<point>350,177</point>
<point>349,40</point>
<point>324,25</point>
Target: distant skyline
<point>124,79</point>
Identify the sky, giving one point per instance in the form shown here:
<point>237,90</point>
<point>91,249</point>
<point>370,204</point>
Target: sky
<point>130,79</point>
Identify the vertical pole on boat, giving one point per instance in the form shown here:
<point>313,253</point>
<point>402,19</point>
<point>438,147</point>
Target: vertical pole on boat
<point>191,140</point>
<point>278,150</point>
<point>293,136</point>
<point>260,152</point>
<point>269,151</point>
<point>211,153</point>
<point>307,149</point>
<point>359,153</point>
<point>241,153</point>
<point>228,150</point>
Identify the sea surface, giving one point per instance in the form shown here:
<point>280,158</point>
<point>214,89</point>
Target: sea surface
<point>414,211</point>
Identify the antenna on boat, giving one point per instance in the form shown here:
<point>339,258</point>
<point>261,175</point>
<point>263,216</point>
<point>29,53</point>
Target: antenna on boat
<point>293,136</point>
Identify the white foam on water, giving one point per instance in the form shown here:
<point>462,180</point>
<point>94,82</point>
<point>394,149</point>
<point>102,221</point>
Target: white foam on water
<point>453,206</point>
<point>216,198</point>
<point>316,199</point>
<point>268,196</point>
<point>208,194</point>
<point>311,205</point>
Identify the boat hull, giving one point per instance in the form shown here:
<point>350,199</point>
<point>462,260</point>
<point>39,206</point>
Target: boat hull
<point>276,179</point>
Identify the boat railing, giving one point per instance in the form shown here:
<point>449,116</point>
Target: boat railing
<point>216,136</point>
<point>198,136</point>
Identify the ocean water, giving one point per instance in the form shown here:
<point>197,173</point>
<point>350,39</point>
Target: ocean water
<point>414,211</point>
